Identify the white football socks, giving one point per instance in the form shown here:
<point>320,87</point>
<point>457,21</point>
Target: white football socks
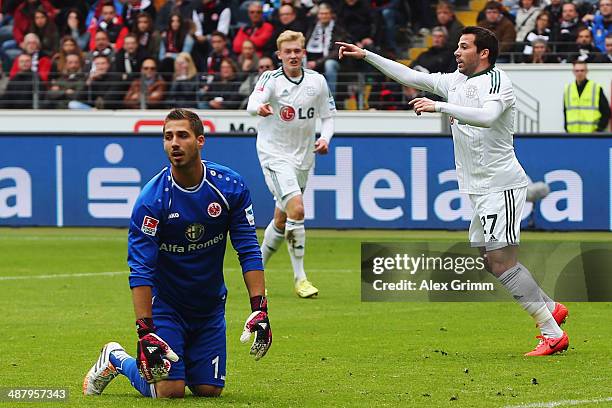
<point>273,238</point>
<point>527,293</point>
<point>550,304</point>
<point>295,234</point>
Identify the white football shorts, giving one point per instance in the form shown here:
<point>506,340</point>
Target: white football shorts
<point>497,218</point>
<point>284,181</point>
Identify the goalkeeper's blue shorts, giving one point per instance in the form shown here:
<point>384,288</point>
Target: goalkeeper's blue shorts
<point>199,343</point>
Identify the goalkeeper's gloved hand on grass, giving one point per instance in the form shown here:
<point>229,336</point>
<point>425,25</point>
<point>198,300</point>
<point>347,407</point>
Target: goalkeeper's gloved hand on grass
<point>259,324</point>
<point>153,354</point>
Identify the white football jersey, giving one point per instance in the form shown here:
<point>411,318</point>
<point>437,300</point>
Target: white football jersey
<point>289,133</point>
<point>484,157</point>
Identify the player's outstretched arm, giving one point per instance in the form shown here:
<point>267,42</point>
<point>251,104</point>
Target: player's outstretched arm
<point>394,70</point>
<point>481,117</point>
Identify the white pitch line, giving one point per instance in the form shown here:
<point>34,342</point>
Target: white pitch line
<point>90,274</point>
<point>62,275</point>
<point>562,403</point>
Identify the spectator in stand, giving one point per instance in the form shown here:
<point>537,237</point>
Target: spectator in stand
<point>439,57</point>
<point>287,19</point>
<point>174,40</point>
<point>357,18</point>
<point>6,22</point>
<point>95,10</point>
<point>184,86</point>
<point>99,87</point>
<point>222,92</point>
<point>386,15</point>
<point>209,16</point>
<point>21,86</point>
<point>218,52</point>
<point>248,59</point>
<point>585,50</point>
<point>600,23</point>
<point>568,29</point>
<point>68,84</point>
<point>68,45</point>
<point>321,52</point>
<point>23,16</point>
<point>540,54</point>
<point>154,85</point>
<point>46,30</point>
<point>102,46</point>
<point>555,11</point>
<point>258,31</point>
<point>149,39</point>
<point>110,23</point>
<point>183,7</point>
<point>132,8</point>
<point>445,14</point>
<point>299,9</point>
<point>585,107</point>
<point>41,63</point>
<point>248,85</point>
<point>74,26</point>
<point>526,17</point>
<point>608,55</point>
<point>540,32</point>
<point>127,64</point>
<point>502,27</point>
<point>421,15</point>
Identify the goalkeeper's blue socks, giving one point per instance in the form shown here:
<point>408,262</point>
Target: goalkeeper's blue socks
<point>126,365</point>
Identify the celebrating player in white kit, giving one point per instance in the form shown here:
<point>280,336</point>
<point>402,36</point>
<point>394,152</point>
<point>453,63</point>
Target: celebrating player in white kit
<point>481,107</point>
<point>290,99</point>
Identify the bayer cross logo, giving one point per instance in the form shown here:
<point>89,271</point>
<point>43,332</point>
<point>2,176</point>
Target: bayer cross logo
<point>194,232</point>
<point>471,92</point>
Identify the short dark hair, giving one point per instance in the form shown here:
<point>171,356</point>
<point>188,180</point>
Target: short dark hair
<point>219,34</point>
<point>494,5</point>
<point>108,3</point>
<point>484,40</point>
<point>195,123</point>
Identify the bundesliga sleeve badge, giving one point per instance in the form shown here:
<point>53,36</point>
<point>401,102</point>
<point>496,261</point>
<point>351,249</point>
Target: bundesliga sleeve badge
<point>149,225</point>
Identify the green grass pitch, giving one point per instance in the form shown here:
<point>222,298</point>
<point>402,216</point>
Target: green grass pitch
<point>330,351</point>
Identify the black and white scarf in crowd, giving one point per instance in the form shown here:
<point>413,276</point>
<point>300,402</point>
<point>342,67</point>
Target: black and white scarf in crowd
<point>320,40</point>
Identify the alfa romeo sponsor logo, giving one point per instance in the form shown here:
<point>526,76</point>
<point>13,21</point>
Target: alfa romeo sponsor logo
<point>194,232</point>
<point>214,209</point>
<point>287,113</point>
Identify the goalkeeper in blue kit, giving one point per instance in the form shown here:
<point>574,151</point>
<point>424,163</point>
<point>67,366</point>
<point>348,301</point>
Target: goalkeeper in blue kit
<point>176,245</point>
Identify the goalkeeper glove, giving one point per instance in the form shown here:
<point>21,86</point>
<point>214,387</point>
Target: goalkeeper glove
<point>153,353</point>
<point>259,324</point>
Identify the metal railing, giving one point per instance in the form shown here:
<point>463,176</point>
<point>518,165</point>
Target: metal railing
<point>527,118</point>
<point>354,91</point>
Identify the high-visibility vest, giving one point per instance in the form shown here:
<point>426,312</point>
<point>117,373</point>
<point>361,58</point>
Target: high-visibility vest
<point>582,111</point>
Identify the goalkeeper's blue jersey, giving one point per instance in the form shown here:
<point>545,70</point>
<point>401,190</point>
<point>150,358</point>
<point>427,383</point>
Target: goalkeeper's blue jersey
<point>177,238</point>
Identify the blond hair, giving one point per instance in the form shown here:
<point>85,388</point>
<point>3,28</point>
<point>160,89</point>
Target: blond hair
<point>289,35</point>
<point>191,68</point>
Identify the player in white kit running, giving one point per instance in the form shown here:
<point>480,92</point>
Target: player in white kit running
<point>290,99</point>
<point>481,105</point>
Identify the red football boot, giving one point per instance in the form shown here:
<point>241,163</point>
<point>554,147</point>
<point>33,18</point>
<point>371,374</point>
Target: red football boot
<point>548,346</point>
<point>560,313</point>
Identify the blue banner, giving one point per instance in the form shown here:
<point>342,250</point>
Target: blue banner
<point>366,181</point>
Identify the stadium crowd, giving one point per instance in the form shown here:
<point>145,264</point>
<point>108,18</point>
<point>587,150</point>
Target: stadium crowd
<point>117,54</point>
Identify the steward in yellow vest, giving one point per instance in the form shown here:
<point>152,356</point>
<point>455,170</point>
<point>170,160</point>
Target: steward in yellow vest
<point>584,103</point>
